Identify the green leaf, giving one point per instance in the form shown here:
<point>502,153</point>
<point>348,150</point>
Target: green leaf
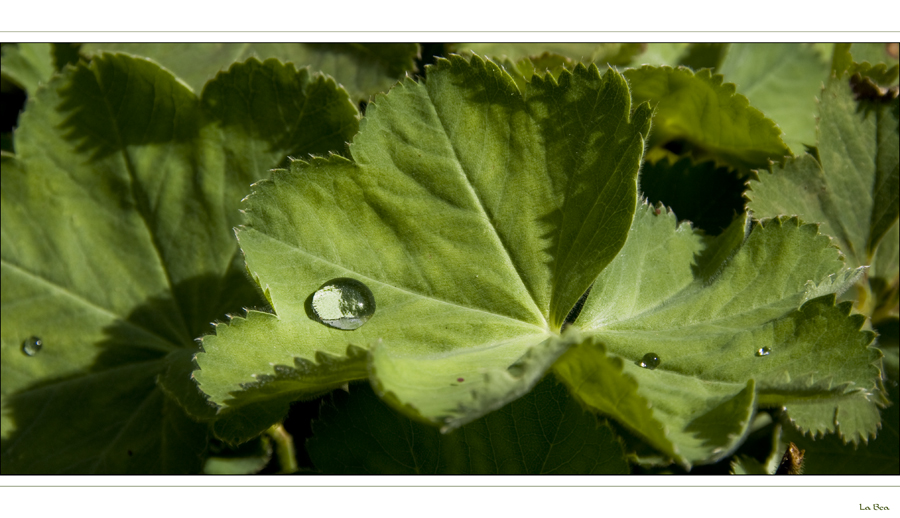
<point>853,189</point>
<point>28,64</point>
<point>475,214</point>
<point>614,54</point>
<point>705,307</point>
<point>118,251</point>
<point>707,114</point>
<point>782,80</point>
<point>544,432</point>
<point>830,455</point>
<point>363,69</point>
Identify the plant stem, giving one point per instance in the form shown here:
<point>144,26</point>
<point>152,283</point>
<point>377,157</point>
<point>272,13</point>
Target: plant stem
<point>284,448</point>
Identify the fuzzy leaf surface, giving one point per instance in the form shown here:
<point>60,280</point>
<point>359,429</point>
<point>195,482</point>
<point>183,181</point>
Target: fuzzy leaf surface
<point>476,215</point>
<point>117,216</point>
<point>705,307</point>
<point>364,69</point>
<point>782,80</point>
<point>706,114</point>
<point>853,190</point>
<point>545,432</point>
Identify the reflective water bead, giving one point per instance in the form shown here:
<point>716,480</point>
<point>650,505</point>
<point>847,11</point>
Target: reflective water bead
<point>32,345</point>
<point>649,361</point>
<point>763,351</point>
<point>343,303</point>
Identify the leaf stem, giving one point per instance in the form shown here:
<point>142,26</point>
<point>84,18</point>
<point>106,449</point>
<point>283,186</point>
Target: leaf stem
<point>284,448</point>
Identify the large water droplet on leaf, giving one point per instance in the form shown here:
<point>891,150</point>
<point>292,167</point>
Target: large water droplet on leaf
<point>649,361</point>
<point>763,351</point>
<point>343,303</point>
<point>32,345</point>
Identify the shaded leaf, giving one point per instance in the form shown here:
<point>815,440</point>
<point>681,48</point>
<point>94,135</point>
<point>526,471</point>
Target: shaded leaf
<point>704,55</point>
<point>707,114</point>
<point>364,69</point>
<point>118,251</point>
<point>544,432</point>
<point>475,214</point>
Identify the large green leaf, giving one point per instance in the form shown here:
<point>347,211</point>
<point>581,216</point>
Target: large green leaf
<point>117,216</point>
<point>707,115</point>
<point>363,69</point>
<point>721,315</point>
<point>852,188</point>
<point>477,216</point>
<point>545,432</point>
<point>782,80</point>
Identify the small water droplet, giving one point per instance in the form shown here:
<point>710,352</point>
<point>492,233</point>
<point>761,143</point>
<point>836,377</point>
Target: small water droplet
<point>649,361</point>
<point>32,345</point>
<point>763,351</point>
<point>343,303</point>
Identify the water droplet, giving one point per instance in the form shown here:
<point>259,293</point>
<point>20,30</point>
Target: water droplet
<point>649,361</point>
<point>32,345</point>
<point>343,303</point>
<point>763,351</point>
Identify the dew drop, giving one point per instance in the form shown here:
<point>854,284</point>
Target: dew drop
<point>343,303</point>
<point>649,361</point>
<point>32,345</point>
<point>763,351</point>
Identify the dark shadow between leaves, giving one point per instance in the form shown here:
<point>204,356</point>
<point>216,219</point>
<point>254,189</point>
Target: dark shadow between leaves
<point>706,195</point>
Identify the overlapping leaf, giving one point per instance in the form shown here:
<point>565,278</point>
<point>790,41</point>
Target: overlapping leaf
<point>118,251</point>
<point>782,80</point>
<point>721,314</point>
<point>545,432</point>
<point>363,69</point>
<point>601,53</point>
<point>830,455</point>
<point>476,214</point>
<point>851,187</point>
<point>705,114</point>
